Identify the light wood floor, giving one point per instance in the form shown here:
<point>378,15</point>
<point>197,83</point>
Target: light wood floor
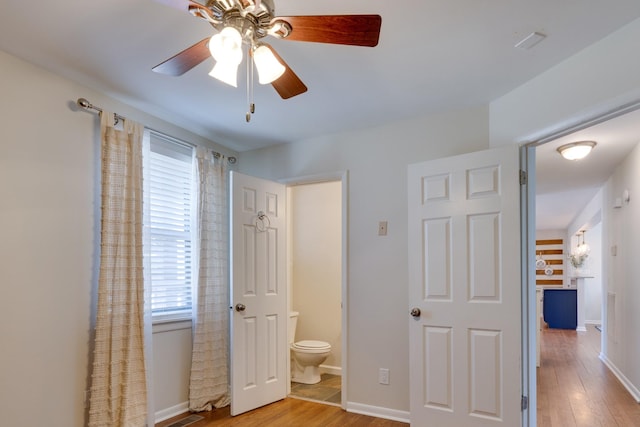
<point>575,388</point>
<point>289,412</point>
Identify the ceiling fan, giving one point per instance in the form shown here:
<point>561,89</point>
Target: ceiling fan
<point>245,23</point>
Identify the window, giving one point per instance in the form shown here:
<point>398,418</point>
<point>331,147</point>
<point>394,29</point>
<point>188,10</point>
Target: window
<point>169,205</point>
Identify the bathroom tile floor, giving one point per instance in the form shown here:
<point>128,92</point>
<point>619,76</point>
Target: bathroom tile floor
<point>326,391</point>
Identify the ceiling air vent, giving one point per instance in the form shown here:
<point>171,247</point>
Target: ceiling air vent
<point>530,41</point>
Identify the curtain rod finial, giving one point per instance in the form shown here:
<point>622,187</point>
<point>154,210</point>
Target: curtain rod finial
<point>84,103</point>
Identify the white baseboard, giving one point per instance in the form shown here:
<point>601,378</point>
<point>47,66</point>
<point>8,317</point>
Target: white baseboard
<point>333,370</point>
<point>165,414</point>
<point>379,412</point>
<point>593,322</point>
<point>632,389</point>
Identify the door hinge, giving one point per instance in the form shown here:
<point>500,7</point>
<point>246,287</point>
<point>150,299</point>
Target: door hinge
<point>523,177</point>
<point>524,403</point>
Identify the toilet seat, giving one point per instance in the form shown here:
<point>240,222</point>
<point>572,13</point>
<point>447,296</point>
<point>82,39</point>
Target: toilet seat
<point>311,345</point>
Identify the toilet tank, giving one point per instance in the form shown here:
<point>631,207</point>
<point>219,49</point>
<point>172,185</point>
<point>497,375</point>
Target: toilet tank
<point>293,322</point>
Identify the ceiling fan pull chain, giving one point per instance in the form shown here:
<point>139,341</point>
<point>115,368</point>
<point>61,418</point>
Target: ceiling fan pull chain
<point>252,106</point>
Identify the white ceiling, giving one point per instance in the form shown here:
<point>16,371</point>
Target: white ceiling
<point>433,56</point>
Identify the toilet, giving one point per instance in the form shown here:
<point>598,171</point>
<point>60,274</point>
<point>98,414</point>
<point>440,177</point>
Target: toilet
<point>306,355</point>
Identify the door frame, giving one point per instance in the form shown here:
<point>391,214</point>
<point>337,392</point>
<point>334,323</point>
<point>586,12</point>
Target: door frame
<point>528,212</point>
<point>528,283</point>
<point>343,178</point>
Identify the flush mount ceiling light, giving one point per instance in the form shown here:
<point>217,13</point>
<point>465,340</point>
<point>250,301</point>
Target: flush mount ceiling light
<point>244,23</point>
<point>576,150</point>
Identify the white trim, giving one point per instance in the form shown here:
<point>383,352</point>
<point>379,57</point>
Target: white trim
<point>592,120</point>
<point>333,370</point>
<point>315,179</point>
<point>624,380</point>
<point>173,411</point>
<point>159,328</point>
<point>593,322</point>
<point>344,178</point>
<point>529,320</point>
<point>378,411</point>
<point>324,402</point>
<point>581,329</point>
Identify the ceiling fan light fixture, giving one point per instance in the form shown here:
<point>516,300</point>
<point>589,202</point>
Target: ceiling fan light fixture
<point>269,68</point>
<point>576,150</point>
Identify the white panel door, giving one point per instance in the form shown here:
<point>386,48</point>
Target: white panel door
<point>258,293</point>
<point>464,273</point>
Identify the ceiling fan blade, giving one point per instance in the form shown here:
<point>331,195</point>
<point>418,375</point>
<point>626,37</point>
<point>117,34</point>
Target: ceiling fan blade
<point>354,30</point>
<point>182,62</point>
<point>289,84</point>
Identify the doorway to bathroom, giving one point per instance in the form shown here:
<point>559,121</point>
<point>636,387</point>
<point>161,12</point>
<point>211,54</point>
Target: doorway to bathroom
<point>316,252</point>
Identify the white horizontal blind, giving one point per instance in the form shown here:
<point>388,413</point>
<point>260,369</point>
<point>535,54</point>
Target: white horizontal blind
<point>169,216</point>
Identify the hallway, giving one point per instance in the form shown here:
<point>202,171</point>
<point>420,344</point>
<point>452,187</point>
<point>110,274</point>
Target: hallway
<point>575,388</point>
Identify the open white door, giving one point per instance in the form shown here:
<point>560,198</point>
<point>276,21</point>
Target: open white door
<point>258,293</point>
<point>465,292</point>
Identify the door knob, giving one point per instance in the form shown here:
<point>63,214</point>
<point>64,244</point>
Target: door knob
<point>240,307</point>
<point>415,312</point>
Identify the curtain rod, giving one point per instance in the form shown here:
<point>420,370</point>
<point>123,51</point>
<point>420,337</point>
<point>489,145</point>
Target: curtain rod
<point>84,103</point>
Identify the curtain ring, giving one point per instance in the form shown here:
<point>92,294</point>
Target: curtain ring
<point>260,224</point>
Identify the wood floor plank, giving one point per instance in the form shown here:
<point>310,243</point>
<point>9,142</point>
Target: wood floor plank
<point>575,388</point>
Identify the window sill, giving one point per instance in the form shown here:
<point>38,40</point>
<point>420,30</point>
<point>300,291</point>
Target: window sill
<point>170,325</point>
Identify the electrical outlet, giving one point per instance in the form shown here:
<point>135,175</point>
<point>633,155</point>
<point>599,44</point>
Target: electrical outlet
<point>383,376</point>
<point>382,228</point>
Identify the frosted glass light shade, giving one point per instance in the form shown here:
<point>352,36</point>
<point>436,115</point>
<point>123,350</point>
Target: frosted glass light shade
<point>226,45</point>
<point>226,72</point>
<point>226,49</point>
<point>576,150</point>
<point>269,68</point>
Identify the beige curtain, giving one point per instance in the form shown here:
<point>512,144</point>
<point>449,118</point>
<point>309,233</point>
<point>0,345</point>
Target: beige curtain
<point>209,384</point>
<point>118,387</point>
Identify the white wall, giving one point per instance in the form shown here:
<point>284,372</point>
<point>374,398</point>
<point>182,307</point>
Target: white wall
<point>593,285</point>
<point>590,220</point>
<point>172,346</point>
<point>49,211</point>
<point>376,159</point>
<point>622,318</point>
<point>316,249</point>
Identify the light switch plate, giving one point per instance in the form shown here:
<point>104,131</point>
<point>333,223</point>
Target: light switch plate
<point>382,228</point>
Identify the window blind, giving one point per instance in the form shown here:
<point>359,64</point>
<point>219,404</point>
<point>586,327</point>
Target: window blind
<point>169,217</point>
